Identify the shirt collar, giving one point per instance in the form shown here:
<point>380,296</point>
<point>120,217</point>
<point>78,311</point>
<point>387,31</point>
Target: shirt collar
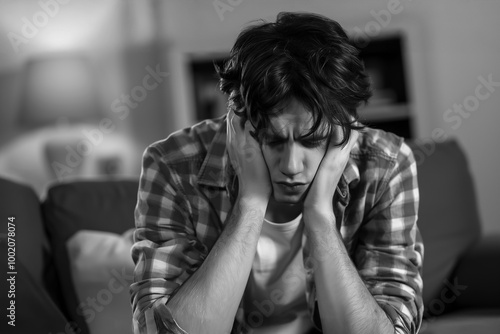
<point>350,175</point>
<point>351,172</point>
<point>214,166</point>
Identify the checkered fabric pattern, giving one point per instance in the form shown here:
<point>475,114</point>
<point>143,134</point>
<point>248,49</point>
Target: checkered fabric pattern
<point>183,202</point>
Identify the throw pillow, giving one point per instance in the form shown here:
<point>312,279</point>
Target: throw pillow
<point>102,271</point>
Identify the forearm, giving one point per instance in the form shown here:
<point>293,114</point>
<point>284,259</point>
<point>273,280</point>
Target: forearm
<point>345,304</point>
<point>208,301</point>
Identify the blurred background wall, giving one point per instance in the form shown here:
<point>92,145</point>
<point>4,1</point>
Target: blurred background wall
<point>140,55</point>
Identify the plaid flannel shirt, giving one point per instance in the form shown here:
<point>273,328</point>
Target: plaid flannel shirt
<point>183,202</point>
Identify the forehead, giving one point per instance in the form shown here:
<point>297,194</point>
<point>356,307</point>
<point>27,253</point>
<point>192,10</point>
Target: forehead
<point>293,119</point>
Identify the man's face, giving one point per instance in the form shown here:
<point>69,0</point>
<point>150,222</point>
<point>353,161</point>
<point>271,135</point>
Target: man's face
<point>291,158</point>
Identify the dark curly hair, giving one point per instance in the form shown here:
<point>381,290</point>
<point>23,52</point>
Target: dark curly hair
<point>304,56</point>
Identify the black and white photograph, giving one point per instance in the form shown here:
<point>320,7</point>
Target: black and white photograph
<point>249,166</point>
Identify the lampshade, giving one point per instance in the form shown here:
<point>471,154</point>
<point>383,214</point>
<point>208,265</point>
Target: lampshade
<point>55,88</point>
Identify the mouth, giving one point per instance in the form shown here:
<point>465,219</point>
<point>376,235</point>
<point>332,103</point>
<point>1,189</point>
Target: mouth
<point>291,186</point>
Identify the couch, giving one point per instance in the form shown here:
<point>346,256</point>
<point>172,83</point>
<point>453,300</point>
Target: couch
<point>73,264</point>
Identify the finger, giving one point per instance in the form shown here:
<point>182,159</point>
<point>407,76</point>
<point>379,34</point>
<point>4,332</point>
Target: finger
<point>333,151</point>
<point>249,137</point>
<point>238,126</point>
<point>353,139</point>
<point>247,128</point>
<point>236,131</point>
<point>231,122</point>
<point>334,140</point>
<point>229,129</point>
<point>243,120</point>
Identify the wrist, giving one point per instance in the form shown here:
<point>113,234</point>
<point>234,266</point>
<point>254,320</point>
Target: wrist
<point>319,211</point>
<point>318,223</point>
<point>252,202</point>
<point>254,192</point>
<point>250,195</point>
<point>250,213</point>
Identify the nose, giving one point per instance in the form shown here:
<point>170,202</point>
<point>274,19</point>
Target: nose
<point>290,160</point>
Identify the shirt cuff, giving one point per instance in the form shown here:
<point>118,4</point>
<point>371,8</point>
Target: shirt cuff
<point>158,320</point>
<point>396,320</point>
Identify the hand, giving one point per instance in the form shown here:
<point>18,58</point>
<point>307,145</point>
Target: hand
<point>320,194</point>
<point>247,160</point>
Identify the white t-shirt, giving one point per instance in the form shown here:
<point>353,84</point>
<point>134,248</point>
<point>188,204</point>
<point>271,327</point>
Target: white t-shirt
<point>275,297</point>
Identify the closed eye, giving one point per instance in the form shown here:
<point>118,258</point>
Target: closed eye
<point>274,142</point>
<point>313,143</point>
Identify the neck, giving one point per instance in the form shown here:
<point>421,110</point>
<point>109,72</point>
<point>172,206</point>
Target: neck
<point>282,212</point>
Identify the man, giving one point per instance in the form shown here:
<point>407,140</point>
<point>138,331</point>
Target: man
<point>286,215</point>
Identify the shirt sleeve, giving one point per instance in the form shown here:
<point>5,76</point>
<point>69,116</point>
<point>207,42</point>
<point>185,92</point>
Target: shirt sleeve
<point>389,256</point>
<point>166,251</point>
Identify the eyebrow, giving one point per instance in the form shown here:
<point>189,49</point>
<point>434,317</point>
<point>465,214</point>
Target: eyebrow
<point>314,136</point>
<point>321,133</point>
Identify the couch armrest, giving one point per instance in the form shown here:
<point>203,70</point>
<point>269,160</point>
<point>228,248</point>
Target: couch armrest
<point>33,310</point>
<point>478,275</point>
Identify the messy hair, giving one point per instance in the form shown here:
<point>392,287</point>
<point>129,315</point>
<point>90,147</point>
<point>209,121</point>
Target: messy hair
<point>304,56</point>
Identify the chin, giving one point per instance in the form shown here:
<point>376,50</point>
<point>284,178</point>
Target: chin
<point>288,199</point>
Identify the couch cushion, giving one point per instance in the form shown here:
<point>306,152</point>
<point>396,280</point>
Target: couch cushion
<point>85,205</point>
<point>464,322</point>
<point>479,275</point>
<point>102,271</point>
<point>448,215</point>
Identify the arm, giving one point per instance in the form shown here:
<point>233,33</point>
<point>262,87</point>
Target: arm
<point>345,304</point>
<point>368,296</point>
<point>166,250</point>
<point>207,302</point>
<point>390,251</point>
<point>177,285</point>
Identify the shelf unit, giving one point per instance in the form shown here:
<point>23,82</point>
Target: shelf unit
<point>389,108</point>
